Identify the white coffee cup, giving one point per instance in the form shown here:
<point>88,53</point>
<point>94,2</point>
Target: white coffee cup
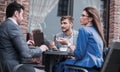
<point>63,48</point>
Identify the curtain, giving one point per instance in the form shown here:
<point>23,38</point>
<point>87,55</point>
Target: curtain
<point>38,11</point>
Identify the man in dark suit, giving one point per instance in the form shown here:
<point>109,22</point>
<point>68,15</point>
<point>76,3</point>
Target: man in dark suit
<point>13,47</point>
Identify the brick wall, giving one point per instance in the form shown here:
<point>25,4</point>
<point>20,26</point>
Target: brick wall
<point>114,27</point>
<point>3,5</point>
<point>25,3</point>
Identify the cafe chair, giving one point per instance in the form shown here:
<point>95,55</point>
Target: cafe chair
<point>1,70</point>
<point>77,68</point>
<point>35,65</point>
<point>112,60</point>
<point>23,68</point>
<point>82,69</point>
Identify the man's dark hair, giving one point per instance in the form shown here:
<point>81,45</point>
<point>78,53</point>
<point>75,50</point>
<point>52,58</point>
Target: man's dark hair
<point>12,7</point>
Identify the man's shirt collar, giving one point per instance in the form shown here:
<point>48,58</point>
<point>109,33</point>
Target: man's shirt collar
<point>13,20</point>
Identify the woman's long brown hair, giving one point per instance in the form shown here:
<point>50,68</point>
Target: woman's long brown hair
<point>92,12</point>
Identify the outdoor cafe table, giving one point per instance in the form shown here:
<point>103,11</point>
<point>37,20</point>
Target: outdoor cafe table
<point>50,58</point>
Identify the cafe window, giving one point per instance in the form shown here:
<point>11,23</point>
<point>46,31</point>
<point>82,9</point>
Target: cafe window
<point>65,7</point>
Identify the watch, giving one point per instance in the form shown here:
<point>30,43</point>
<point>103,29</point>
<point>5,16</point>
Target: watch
<point>69,44</point>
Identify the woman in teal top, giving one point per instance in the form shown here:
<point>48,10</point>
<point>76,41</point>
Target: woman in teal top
<point>90,43</point>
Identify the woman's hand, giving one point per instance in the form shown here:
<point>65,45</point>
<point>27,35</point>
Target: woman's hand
<point>53,46</point>
<point>43,48</point>
<point>30,43</point>
<point>63,41</point>
<point>72,47</point>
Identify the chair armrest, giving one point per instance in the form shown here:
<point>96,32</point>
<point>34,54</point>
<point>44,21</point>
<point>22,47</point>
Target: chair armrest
<point>1,69</point>
<point>42,67</point>
<point>30,63</point>
<point>76,67</point>
<point>35,64</point>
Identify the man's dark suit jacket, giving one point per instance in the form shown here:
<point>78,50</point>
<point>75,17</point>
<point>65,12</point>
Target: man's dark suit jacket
<point>13,47</point>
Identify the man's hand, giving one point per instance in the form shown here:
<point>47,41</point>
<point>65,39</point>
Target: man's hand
<point>63,41</point>
<point>43,48</point>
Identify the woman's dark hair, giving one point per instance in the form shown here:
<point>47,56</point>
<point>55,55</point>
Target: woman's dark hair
<point>12,7</point>
<point>93,13</point>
